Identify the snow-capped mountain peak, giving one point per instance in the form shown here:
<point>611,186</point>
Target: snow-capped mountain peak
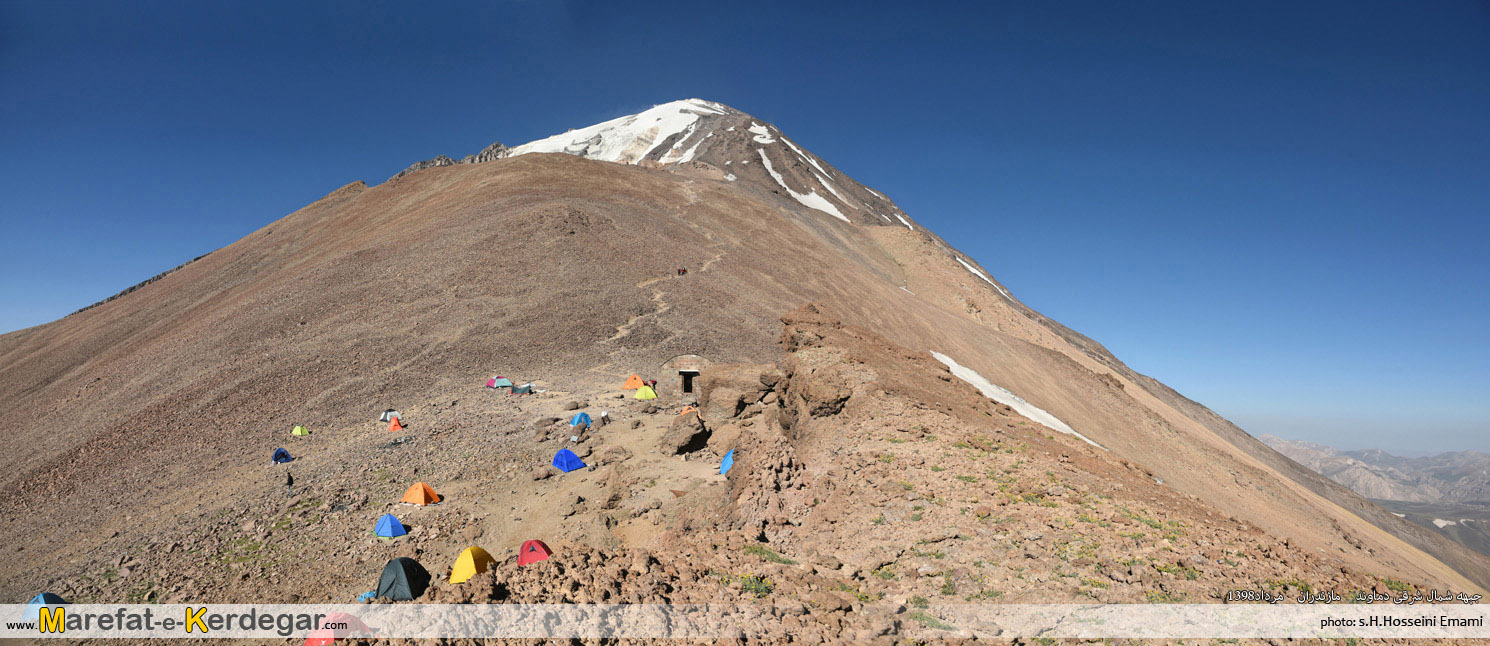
<point>718,142</point>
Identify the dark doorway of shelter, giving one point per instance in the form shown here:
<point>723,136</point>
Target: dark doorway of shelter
<point>688,376</point>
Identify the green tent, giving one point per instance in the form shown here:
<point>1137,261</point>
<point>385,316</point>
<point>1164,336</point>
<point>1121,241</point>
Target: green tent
<point>299,430</point>
<point>404,579</point>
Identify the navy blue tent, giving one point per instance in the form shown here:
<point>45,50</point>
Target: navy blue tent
<point>403,579</point>
<point>579,418</point>
<point>567,461</point>
<point>727,462</point>
<point>47,599</point>
<point>388,526</point>
<point>281,456</point>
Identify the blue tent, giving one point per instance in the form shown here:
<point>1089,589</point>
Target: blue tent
<point>579,418</point>
<point>567,461</point>
<point>47,599</point>
<point>388,526</point>
<point>281,456</point>
<point>727,462</point>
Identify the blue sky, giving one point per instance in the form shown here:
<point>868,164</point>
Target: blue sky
<point>1278,208</point>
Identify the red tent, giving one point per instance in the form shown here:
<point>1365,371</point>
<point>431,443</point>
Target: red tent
<point>532,552</point>
<point>324,636</point>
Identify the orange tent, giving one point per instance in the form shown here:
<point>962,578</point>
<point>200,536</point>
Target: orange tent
<point>633,382</point>
<point>395,424</point>
<point>420,494</point>
<point>688,409</point>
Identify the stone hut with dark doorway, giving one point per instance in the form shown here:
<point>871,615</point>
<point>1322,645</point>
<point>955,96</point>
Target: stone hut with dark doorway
<point>687,367</point>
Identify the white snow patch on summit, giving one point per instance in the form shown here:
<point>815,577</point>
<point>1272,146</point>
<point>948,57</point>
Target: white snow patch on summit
<point>1003,396</point>
<point>762,135</point>
<point>1443,523</point>
<point>627,139</point>
<point>908,226</point>
<point>977,273</point>
<point>811,199</point>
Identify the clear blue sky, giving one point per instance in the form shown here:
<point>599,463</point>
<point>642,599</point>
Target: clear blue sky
<point>1279,208</point>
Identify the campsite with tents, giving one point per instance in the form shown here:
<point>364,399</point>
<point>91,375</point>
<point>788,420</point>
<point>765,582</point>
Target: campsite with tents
<point>585,494</point>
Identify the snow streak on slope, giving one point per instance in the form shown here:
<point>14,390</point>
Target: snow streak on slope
<point>811,199</point>
<point>1003,396</point>
<point>810,160</point>
<point>973,269</point>
<point>627,139</point>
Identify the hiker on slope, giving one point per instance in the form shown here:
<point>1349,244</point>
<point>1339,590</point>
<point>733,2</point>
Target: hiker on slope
<point>289,483</point>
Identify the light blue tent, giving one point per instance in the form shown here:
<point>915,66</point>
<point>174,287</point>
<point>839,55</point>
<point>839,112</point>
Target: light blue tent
<point>47,599</point>
<point>389,527</point>
<point>727,462</point>
<point>579,418</point>
<point>567,461</point>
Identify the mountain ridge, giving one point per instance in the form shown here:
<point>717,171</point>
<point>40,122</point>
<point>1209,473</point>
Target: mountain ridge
<point>563,270</point>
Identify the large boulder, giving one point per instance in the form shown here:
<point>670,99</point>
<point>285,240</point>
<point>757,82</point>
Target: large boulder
<point>686,434</point>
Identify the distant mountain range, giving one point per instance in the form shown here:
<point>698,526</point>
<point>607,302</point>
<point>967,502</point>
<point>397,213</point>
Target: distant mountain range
<point>1448,493</point>
<point>1458,477</point>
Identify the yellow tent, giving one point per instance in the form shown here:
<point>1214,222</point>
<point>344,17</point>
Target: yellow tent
<point>471,562</point>
<point>299,430</point>
<point>633,382</point>
<point>645,392</point>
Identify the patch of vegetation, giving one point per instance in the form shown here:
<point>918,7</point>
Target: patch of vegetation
<point>243,549</point>
<point>920,602</point>
<point>863,597</point>
<point>879,520</point>
<point>906,485</point>
<point>1190,574</point>
<point>967,478</point>
<point>916,516</point>
<point>768,554</point>
<point>1394,585</point>
<point>935,468</point>
<point>984,595</point>
<point>1155,596</point>
<point>885,573</point>
<point>752,583</point>
<point>887,458</point>
<point>930,621</point>
<point>1093,583</point>
<point>895,440</point>
<point>949,587</point>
